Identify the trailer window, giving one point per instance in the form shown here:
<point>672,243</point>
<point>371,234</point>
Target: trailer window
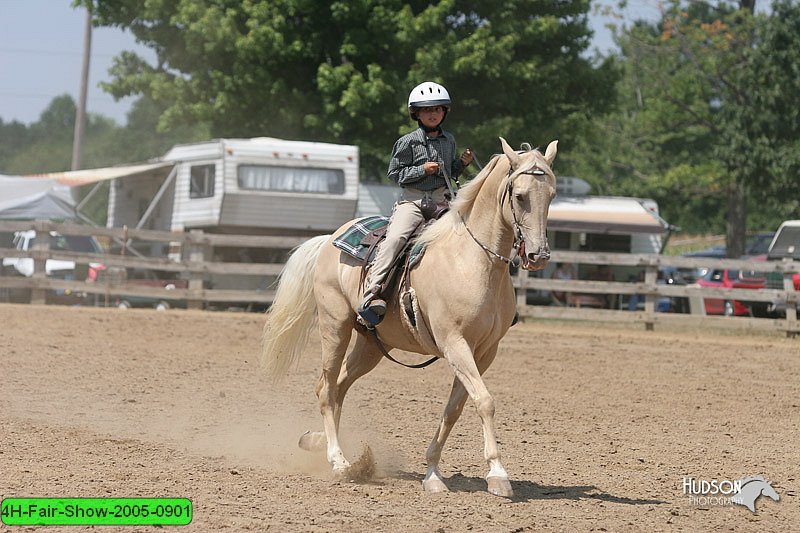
<point>291,179</point>
<point>603,242</point>
<point>201,183</point>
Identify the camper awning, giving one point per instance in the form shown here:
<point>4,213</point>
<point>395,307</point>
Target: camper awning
<point>74,178</point>
<point>603,214</point>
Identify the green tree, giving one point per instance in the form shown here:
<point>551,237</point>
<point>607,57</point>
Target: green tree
<point>776,76</point>
<point>46,145</point>
<point>141,138</point>
<point>705,122</point>
<point>14,136</point>
<point>657,143</point>
<point>48,142</point>
<point>340,71</point>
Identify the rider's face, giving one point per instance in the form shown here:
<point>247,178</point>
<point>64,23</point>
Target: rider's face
<point>431,116</point>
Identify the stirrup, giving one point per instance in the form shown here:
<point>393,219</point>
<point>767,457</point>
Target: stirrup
<point>372,310</point>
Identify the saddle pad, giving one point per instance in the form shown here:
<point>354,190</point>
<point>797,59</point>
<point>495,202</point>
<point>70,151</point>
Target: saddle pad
<point>350,241</point>
<point>415,255</point>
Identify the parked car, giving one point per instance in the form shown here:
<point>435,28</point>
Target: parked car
<point>668,275</point>
<point>733,279</point>
<point>55,268</point>
<point>755,244</point>
<point>784,247</point>
<point>150,278</point>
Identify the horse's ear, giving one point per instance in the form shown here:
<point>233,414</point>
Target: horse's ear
<point>550,153</point>
<point>511,154</point>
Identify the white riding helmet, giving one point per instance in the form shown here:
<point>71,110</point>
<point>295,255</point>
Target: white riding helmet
<point>427,94</point>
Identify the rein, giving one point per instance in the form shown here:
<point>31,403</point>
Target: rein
<point>518,244</point>
<point>502,258</point>
<point>518,238</point>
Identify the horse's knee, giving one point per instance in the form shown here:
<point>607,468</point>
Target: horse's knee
<point>485,405</point>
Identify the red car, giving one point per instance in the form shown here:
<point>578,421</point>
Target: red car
<point>733,279</point>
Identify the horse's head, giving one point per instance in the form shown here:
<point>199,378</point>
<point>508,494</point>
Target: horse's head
<point>526,196</point>
<point>768,491</point>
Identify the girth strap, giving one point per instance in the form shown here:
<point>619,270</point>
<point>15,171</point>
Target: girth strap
<point>380,346</point>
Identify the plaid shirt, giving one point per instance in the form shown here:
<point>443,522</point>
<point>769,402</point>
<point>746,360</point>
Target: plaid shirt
<point>413,150</point>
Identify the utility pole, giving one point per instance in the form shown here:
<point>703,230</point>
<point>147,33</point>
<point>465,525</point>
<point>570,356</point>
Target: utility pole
<point>80,115</point>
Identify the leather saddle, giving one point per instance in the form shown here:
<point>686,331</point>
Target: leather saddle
<point>407,259</point>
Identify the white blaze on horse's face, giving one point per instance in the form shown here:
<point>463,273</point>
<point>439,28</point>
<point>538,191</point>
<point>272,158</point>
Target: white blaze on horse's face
<point>533,187</point>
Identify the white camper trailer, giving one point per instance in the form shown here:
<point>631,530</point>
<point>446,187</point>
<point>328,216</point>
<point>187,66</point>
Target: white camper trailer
<point>257,186</point>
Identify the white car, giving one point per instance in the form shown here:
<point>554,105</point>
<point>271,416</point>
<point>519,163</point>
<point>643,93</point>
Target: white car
<point>23,241</point>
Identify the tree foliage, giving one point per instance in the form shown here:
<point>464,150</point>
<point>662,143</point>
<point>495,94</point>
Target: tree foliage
<point>705,121</point>
<point>341,71</point>
<point>46,145</point>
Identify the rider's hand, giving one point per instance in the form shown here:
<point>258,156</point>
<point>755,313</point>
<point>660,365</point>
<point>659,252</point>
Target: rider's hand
<point>431,167</point>
<point>466,157</point>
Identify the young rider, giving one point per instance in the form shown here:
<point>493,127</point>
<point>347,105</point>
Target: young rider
<point>422,163</point>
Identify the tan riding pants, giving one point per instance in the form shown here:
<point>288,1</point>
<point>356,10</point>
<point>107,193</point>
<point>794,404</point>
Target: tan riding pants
<point>406,216</point>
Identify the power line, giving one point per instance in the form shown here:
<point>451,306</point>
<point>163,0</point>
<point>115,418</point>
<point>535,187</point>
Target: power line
<point>37,96</point>
<point>65,53</point>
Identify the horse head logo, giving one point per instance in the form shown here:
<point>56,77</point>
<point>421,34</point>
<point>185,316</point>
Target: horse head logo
<point>752,488</point>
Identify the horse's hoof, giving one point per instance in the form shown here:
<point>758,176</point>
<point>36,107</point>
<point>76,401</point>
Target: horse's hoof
<point>361,471</point>
<point>341,473</point>
<point>434,485</point>
<point>500,487</point>
<point>313,441</point>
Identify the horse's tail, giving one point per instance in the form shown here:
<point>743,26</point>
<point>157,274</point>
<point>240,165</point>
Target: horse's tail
<point>293,312</point>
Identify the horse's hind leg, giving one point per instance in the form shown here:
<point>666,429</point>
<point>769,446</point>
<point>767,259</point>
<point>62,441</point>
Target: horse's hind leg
<point>362,358</point>
<point>335,336</point>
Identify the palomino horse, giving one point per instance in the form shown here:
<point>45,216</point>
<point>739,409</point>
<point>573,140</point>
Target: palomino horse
<point>463,301</point>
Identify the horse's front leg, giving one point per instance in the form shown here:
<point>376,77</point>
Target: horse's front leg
<point>433,481</point>
<point>461,359</point>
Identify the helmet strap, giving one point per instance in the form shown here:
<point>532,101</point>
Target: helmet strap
<point>430,130</point>
<point>438,127</point>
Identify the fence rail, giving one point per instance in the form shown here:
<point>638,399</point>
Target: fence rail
<point>651,290</point>
<point>196,264</point>
<point>195,246</point>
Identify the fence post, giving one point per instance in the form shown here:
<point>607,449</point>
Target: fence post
<point>697,304</point>
<point>650,280</point>
<point>40,248</point>
<point>197,255</point>
<point>791,306</point>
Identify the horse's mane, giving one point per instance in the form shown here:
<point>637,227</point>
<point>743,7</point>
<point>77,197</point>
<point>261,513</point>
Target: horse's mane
<point>451,221</point>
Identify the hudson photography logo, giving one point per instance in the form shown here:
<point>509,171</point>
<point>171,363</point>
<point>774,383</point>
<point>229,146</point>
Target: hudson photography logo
<point>723,492</point>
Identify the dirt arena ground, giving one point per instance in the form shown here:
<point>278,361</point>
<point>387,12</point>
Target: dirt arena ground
<point>599,424</point>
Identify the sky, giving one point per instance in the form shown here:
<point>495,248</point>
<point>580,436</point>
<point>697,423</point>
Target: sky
<point>41,55</point>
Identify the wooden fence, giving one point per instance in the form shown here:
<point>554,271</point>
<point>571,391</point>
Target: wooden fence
<point>651,289</point>
<point>196,264</point>
<point>194,246</point>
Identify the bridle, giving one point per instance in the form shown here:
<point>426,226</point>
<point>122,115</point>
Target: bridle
<point>519,240</point>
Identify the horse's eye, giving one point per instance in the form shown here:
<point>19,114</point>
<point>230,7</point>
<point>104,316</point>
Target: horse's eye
<point>520,197</point>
